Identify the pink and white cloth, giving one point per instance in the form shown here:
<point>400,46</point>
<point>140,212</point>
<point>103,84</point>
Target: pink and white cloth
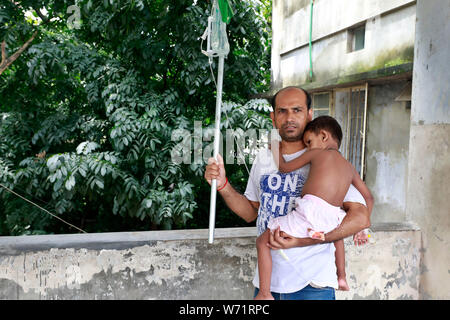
<point>311,212</point>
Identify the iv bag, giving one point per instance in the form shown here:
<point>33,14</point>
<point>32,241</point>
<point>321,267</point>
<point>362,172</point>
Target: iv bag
<point>218,33</point>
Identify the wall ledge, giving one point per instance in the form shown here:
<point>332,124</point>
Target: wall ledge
<point>14,245</point>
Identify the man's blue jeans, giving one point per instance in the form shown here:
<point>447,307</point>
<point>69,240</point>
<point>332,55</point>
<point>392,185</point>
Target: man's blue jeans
<point>307,293</point>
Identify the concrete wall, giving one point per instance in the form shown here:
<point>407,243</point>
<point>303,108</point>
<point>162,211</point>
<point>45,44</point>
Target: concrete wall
<point>387,146</point>
<point>182,265</point>
<point>128,265</point>
<point>389,39</point>
<point>429,166</point>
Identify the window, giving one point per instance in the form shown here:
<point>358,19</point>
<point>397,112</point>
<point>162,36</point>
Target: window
<point>351,113</point>
<point>349,107</point>
<point>356,38</point>
<point>321,104</point>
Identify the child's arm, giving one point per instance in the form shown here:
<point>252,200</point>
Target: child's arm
<point>362,188</point>
<point>294,164</point>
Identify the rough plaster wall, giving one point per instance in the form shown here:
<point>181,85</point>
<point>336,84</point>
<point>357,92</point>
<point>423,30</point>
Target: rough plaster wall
<point>388,123</point>
<point>386,269</point>
<point>339,15</point>
<point>429,165</point>
<point>389,39</point>
<point>189,268</point>
<point>431,79</point>
<point>160,270</point>
<point>428,204</point>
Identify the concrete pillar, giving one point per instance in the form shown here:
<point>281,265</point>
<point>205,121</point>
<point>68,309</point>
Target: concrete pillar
<point>428,192</point>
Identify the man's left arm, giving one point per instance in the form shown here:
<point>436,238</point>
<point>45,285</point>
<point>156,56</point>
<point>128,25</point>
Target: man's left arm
<point>356,219</point>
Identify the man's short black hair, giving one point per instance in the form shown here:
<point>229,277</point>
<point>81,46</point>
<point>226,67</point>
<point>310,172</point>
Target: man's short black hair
<point>328,124</point>
<point>308,97</point>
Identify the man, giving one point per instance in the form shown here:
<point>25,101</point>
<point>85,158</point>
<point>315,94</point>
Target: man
<point>308,271</point>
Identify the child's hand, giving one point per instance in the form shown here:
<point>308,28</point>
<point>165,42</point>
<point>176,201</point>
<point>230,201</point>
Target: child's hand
<point>318,235</point>
<point>360,238</point>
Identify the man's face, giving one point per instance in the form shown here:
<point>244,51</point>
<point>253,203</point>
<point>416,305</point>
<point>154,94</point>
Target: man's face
<point>291,114</point>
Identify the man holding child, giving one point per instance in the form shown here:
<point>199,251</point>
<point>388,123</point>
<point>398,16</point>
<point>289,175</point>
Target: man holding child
<point>308,270</point>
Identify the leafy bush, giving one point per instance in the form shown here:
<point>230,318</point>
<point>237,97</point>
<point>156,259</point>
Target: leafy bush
<point>87,115</point>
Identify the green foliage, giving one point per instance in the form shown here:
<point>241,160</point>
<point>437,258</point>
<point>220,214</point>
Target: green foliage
<point>87,115</point>
<point>237,119</point>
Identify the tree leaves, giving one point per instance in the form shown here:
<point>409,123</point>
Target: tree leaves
<point>86,147</point>
<point>87,115</point>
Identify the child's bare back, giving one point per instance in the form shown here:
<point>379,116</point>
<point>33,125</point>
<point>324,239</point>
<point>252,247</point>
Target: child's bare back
<point>330,174</point>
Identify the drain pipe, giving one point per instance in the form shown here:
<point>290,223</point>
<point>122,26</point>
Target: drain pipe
<point>310,40</point>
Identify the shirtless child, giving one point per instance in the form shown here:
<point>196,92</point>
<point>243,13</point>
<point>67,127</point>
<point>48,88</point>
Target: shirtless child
<point>318,211</point>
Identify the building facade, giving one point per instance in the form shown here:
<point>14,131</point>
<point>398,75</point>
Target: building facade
<point>381,68</point>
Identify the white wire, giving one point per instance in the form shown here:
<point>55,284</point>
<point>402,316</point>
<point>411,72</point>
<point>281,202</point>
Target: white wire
<point>48,212</point>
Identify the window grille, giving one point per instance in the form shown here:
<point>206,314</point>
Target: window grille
<point>354,127</point>
<point>352,118</point>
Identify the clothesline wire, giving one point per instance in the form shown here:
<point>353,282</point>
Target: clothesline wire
<point>43,209</point>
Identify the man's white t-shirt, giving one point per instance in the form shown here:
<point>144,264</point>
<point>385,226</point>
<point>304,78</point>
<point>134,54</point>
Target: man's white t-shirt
<point>276,193</point>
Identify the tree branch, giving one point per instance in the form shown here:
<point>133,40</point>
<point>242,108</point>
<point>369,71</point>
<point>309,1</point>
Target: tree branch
<point>44,19</point>
<point>3,53</point>
<point>7,61</point>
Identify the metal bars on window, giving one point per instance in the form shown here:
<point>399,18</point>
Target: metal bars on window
<point>354,127</point>
<point>349,107</point>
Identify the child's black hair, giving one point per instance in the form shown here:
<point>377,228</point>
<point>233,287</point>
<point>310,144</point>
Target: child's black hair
<point>328,124</point>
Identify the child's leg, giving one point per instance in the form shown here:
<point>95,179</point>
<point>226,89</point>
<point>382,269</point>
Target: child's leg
<point>340,265</point>
<point>264,266</point>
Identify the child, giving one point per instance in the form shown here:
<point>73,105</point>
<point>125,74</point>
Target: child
<point>318,211</point>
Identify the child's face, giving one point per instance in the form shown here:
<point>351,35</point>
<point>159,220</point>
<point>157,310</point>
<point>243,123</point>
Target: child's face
<point>313,140</point>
